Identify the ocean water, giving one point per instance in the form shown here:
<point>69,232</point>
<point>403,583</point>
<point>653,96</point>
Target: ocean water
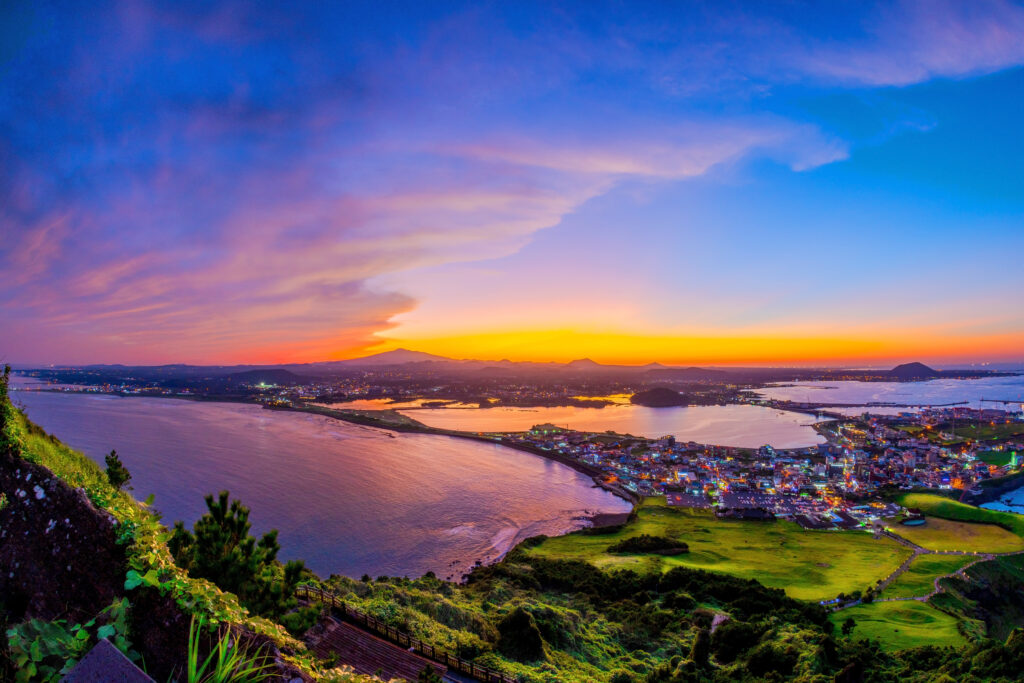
<point>347,499</point>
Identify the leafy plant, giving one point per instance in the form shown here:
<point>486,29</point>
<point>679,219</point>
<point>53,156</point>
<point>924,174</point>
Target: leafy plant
<point>227,661</point>
<point>47,650</point>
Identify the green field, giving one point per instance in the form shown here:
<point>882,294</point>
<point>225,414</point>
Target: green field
<point>810,565</point>
<point>987,431</point>
<point>901,625</point>
<point>919,579</point>
<point>944,535</point>
<point>939,506</point>
<point>997,458</point>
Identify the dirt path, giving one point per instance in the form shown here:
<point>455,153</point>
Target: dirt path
<point>918,551</point>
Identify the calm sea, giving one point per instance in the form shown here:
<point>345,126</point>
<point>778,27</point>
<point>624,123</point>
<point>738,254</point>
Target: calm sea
<point>347,499</point>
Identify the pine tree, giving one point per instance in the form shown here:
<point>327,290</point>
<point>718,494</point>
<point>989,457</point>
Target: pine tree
<point>220,549</point>
<point>117,474</point>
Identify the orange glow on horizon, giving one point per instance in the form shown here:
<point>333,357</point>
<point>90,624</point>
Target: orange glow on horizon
<point>635,349</point>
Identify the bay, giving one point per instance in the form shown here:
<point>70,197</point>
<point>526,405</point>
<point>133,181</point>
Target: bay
<point>347,499</point>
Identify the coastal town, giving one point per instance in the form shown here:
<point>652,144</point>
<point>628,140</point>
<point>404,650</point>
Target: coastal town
<point>834,484</point>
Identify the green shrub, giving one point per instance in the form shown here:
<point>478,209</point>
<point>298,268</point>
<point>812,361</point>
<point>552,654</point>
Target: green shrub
<point>733,638</point>
<point>645,543</point>
<point>519,638</point>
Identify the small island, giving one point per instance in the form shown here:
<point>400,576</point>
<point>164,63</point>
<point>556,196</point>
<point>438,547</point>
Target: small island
<point>659,397</point>
<point>913,371</point>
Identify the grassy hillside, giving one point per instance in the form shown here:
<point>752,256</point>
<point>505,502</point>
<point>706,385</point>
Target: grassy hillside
<point>901,625</point>
<point>809,565</point>
<point>919,579</point>
<point>939,506</point>
<point>945,534</point>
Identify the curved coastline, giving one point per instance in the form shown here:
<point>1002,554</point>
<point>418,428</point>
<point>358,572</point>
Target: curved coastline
<point>408,425</point>
<point>999,488</point>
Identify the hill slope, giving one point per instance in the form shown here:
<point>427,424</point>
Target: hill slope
<point>914,371</point>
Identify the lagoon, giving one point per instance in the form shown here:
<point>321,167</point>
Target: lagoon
<point>742,426</point>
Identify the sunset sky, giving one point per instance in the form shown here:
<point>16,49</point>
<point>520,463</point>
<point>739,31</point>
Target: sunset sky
<point>720,182</point>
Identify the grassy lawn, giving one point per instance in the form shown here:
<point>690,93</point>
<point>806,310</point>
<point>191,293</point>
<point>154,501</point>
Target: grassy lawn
<point>997,458</point>
<point>938,506</point>
<point>810,565</point>
<point>986,431</point>
<point>919,579</point>
<point>944,534</point>
<point>901,625</point>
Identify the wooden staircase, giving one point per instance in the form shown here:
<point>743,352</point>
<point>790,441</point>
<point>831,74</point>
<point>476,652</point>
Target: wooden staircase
<point>368,654</point>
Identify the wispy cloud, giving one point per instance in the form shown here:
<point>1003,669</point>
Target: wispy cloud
<point>670,151</point>
<point>916,40</point>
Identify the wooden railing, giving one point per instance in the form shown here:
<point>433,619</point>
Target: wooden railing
<point>463,666</point>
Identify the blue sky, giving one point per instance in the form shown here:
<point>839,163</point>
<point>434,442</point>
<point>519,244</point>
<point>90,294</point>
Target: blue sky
<point>733,182</point>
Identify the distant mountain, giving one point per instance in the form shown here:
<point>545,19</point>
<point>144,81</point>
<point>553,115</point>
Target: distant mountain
<point>914,371</point>
<point>395,357</point>
<point>583,364</point>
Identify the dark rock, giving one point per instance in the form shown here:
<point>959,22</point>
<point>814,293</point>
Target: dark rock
<point>106,664</point>
<point>59,557</point>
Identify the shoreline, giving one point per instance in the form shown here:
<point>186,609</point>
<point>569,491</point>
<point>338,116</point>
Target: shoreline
<point>410,426</point>
<point>998,489</point>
